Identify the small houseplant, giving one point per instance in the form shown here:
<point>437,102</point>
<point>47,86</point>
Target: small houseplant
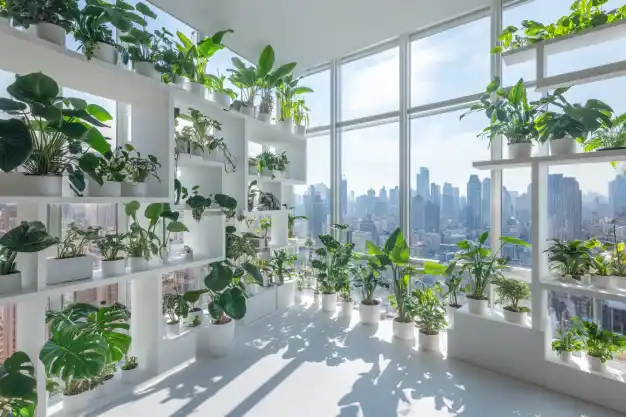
<point>367,278</point>
<point>430,316</point>
<point>192,298</point>
<point>131,363</point>
<point>608,138</point>
<point>599,344</point>
<point>288,92</point>
<point>301,116</point>
<point>28,237</point>
<point>453,283</point>
<point>246,79</point>
<point>291,224</point>
<point>570,260</point>
<point>18,387</point>
<point>71,262</point>
<point>47,19</point>
<point>268,81</point>
<point>174,308</point>
<point>112,247</point>
<point>107,175</point>
<point>513,291</point>
<point>275,165</point>
<point>483,266</point>
<point>281,267</point>
<point>567,341</point>
<point>140,171</point>
<point>345,298</point>
<point>221,94</point>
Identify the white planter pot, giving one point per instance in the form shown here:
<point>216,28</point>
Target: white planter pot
<point>50,32</point>
<point>513,317</point>
<point>105,52</point>
<point>297,298</point>
<point>139,189</point>
<point>567,278</point>
<point>451,311</point>
<point>565,146</point>
<point>595,364</point>
<point>428,342</point>
<point>147,69</point>
<point>287,124</point>
<point>607,283</point>
<point>301,130</point>
<point>76,405</point>
<point>20,185</point>
<point>108,387</point>
<point>138,264</point>
<point>67,270</point>
<point>198,89</point>
<point>10,284</point>
<point>520,150</point>
<point>114,268</point>
<point>132,376</point>
<point>222,99</point>
<point>253,288</point>
<point>285,294</point>
<point>403,331</point>
<point>346,308</point>
<point>220,338</point>
<point>478,307</point>
<point>248,111</point>
<point>198,313</point>
<point>264,117</point>
<point>182,83</point>
<point>172,330</point>
<point>108,189</point>
<point>369,314</point>
<point>329,302</point>
<point>565,357</point>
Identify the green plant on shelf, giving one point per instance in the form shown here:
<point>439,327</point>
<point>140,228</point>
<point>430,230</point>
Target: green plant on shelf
<point>569,258</point>
<point>246,79</point>
<point>368,277</point>
<point>18,386</point>
<point>584,14</point>
<point>427,309</point>
<point>130,363</point>
<point>265,225</point>
<point>140,169</point>
<point>597,342</point>
<point>291,224</point>
<point>25,13</point>
<point>112,246</point>
<point>141,45</point>
<point>288,91</point>
<point>269,80</point>
<point>111,167</point>
<point>215,83</point>
<point>333,262</point>
<point>301,113</point>
<point>28,237</point>
<point>174,307</point>
<point>453,282</point>
<point>272,162</point>
<point>567,340</point>
<point>76,240</point>
<point>512,291</point>
<point>608,137</point>
<point>281,265</point>
<point>197,55</point>
<point>197,203</point>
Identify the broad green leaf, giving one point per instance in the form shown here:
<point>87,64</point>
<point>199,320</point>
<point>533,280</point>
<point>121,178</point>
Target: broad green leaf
<point>99,113</point>
<point>34,88</point>
<point>28,237</point>
<point>266,61</point>
<point>483,237</point>
<point>154,211</point>
<point>11,106</point>
<point>253,271</point>
<point>233,302</point>
<point>16,144</point>
<point>176,227</point>
<point>131,208</point>
<point>219,277</point>
<point>515,241</point>
<point>215,310</point>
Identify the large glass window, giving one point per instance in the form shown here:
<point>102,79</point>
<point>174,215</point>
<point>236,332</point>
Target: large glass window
<point>319,101</point>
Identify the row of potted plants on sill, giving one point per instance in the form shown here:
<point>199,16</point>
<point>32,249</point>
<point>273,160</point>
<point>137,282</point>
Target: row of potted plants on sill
<point>269,164</point>
<point>523,122</point>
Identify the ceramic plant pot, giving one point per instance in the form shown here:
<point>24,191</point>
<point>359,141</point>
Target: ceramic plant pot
<point>264,117</point>
<point>198,89</point>
<point>428,342</point>
<point>138,264</point>
<point>285,294</point>
<point>138,189</point>
<point>369,314</point>
<point>403,331</point>
<point>520,150</point>
<point>515,317</point>
<point>566,357</point>
<point>147,69</point>
<point>222,99</point>
<point>604,282</point>
<point>220,338</point>
<point>105,52</point>
<point>346,308</point>
<point>70,269</point>
<point>11,283</point>
<point>114,268</point>
<point>108,189</point>
<point>182,83</point>
<point>329,302</point>
<point>287,124</point>
<point>50,32</point>
<point>595,364</point>
<point>478,307</point>
<point>564,146</point>
<point>172,330</point>
<point>248,111</point>
<point>76,405</point>
<point>301,130</point>
<point>20,185</point>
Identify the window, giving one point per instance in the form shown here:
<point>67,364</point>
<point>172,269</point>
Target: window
<point>369,197</point>
<point>370,85</point>
<point>221,62</point>
<point>450,64</point>
<point>516,214</point>
<point>450,201</point>
<point>319,101</point>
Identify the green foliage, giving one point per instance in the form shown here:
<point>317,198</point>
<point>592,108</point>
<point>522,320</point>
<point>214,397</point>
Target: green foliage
<point>272,162</point>
<point>215,83</point>
<point>144,242</point>
<point>453,279</point>
<point>332,264</point>
<point>226,289</point>
<point>428,310</point>
<point>140,169</point>
<point>599,343</point>
<point>569,257</point>
<point>268,80</point>
<point>131,363</point>
<point>288,91</point>
<point>281,265</point>
<point>76,238</point>
<point>291,223</point>
<point>18,387</point>
<point>110,245</point>
<point>197,56</point>
<point>30,12</point>
<point>301,112</point>
<point>28,237</point>
<point>608,137</point>
<point>513,291</point>
<point>368,277</point>
<point>175,307</point>
<point>567,340</point>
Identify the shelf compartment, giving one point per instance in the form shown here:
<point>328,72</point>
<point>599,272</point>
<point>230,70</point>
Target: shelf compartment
<point>554,284</point>
<point>554,160</point>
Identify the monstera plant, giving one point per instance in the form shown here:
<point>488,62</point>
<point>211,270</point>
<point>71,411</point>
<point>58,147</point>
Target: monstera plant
<point>18,387</point>
<point>28,237</point>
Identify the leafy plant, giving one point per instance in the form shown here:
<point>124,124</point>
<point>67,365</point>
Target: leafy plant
<point>215,83</point>
<point>272,162</point>
<point>288,91</point>
<point>246,79</point>
<point>198,55</point>
<point>291,223</point>
<point>239,246</point>
<point>429,311</point>
<point>569,257</point>
<point>110,245</point>
<point>197,203</point>
<point>567,340</point>
<point>131,363</point>
<point>111,167</point>
<point>301,112</point>
<point>76,238</point>
<point>268,80</point>
<point>597,342</point>
<point>368,277</point>
<point>30,12</point>
<point>144,242</point>
<point>482,265</point>
<point>192,298</point>
<point>608,137</point>
<point>18,386</point>
<point>453,280</point>
<point>175,307</point>
<point>514,291</point>
<point>140,169</point>
<point>28,237</point>
<point>281,265</point>
<point>332,263</point>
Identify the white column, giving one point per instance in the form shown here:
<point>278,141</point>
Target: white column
<point>146,322</point>
<point>539,232</point>
<point>405,139</point>
<point>30,338</point>
<point>335,143</point>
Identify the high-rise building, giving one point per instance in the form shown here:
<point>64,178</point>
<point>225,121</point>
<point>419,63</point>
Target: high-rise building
<point>418,213</point>
<point>564,207</point>
<point>424,182</point>
<point>435,194</point>
<point>431,217</point>
<point>456,199</point>
<point>617,196</point>
<point>486,203</point>
<point>474,203</point>
<point>447,201</point>
<point>383,194</point>
<point>418,185</point>
<point>344,198</point>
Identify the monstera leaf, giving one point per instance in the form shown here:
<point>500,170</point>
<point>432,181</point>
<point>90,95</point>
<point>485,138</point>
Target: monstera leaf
<point>28,237</point>
<point>106,324</point>
<point>18,387</point>
<point>16,144</point>
<point>74,315</point>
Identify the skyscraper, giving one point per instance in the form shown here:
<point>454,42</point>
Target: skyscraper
<point>424,181</point>
<point>418,213</point>
<point>456,199</point>
<point>486,203</point>
<point>474,203</point>
<point>383,194</point>
<point>435,194</point>
<point>564,207</point>
<point>344,198</point>
<point>447,201</point>
<point>617,196</point>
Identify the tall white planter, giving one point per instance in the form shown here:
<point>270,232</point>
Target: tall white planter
<point>172,330</point>
<point>18,184</point>
<point>403,331</point>
<point>595,364</point>
<point>198,89</point>
<point>220,338</point>
<point>76,405</point>
<point>105,52</point>
<point>50,32</point>
<point>301,130</point>
<point>287,124</point>
<point>113,268</point>
<point>520,150</point>
<point>138,264</point>
<point>369,314</point>
<point>566,357</point>
<point>70,269</point>
<point>450,310</point>
<point>182,83</point>
<point>346,308</point>
<point>285,294</point>
<point>564,146</point>
<point>428,342</point>
<point>478,307</point>
<point>329,302</point>
<point>139,189</point>
<point>108,189</point>
<point>221,98</point>
<point>11,283</point>
<point>147,69</point>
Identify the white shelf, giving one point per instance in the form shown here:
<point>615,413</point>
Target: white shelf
<point>554,160</point>
<point>267,213</point>
<point>589,37</point>
<point>186,160</point>
<point>99,281</point>
<point>584,290</point>
<point>260,179</point>
<point>264,133</point>
<point>80,200</point>
<point>493,315</point>
<point>185,207</point>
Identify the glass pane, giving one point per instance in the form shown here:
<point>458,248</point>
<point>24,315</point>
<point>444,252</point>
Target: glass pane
<point>319,101</point>
<point>450,64</point>
<point>516,215</point>
<point>370,85</point>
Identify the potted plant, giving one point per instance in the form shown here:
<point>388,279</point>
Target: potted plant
<point>483,266</point>
<point>18,391</point>
<point>246,79</point>
<point>251,285</point>
<point>111,247</point>
<point>599,344</point>
<point>145,49</point>
<point>192,298</point>
<point>513,291</point>
<point>430,317</point>
<point>28,237</point>
<point>301,116</point>
<point>268,81</point>
<point>291,224</point>
<point>567,341</point>
<point>281,267</point>
<point>106,177</point>
<point>511,116</point>
<point>287,92</point>
<point>368,278</point>
<point>174,308</point>
<point>142,244</point>
<point>220,94</point>
<point>71,262</point>
<point>608,138</point>
<point>569,260</point>
<point>47,19</point>
<point>452,283</point>
<point>131,363</point>
<point>274,165</point>
<point>140,171</point>
<point>345,299</point>
<point>301,284</point>
<point>332,267</point>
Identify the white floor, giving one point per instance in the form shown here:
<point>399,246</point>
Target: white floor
<point>305,364</point>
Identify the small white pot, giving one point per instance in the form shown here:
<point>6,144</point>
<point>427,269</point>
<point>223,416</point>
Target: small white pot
<point>403,331</point>
<point>478,307</point>
<point>75,405</point>
<point>70,269</point>
<point>10,284</point>
<point>520,150</point>
<point>564,146</point>
<point>221,98</point>
<point>329,302</point>
<point>182,83</point>
<point>264,117</point>
<point>428,342</point>
<point>198,89</point>
<point>220,337</point>
<point>108,189</point>
<point>451,311</point>
<point>565,357</point>
<point>139,189</point>
<point>131,376</point>
<point>301,130</point>
<point>172,330</point>
<point>607,283</point>
<point>346,308</point>
<point>369,314</point>
<point>105,52</point>
<point>287,124</point>
<point>513,317</point>
<point>113,268</point>
<point>138,264</point>
<point>595,364</point>
<point>297,297</point>
<point>20,185</point>
<point>147,69</point>
<point>50,32</point>
<point>285,294</point>
<point>248,111</point>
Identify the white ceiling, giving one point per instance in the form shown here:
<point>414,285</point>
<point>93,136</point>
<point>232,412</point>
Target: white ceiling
<point>315,31</point>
